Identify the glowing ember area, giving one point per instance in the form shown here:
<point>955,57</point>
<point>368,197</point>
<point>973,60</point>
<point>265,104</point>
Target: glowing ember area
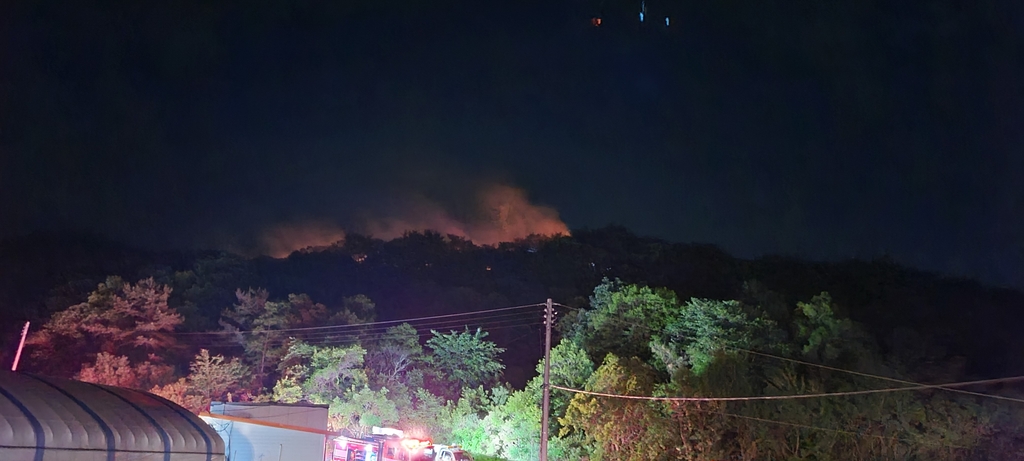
<point>280,241</point>
<point>502,214</point>
<point>499,213</point>
<point>515,217</point>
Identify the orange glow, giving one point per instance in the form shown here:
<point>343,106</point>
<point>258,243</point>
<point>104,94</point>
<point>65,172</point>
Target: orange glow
<point>416,433</point>
<point>281,240</point>
<point>502,214</point>
<point>499,213</point>
<point>415,444</point>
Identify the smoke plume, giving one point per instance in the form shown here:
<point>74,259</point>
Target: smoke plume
<point>499,213</point>
<point>494,213</point>
<point>281,240</point>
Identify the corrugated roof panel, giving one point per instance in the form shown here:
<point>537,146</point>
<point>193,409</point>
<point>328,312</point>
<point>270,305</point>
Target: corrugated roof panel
<point>40,414</point>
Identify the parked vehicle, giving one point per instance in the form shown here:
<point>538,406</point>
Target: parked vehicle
<point>350,449</point>
<point>451,453</point>
<point>384,444</point>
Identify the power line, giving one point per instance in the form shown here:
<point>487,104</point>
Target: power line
<point>868,375</point>
<point>271,336</point>
<point>817,428</point>
<point>839,431</point>
<point>805,426</point>
<point>567,307</point>
<point>373,328</point>
<point>384,322</point>
<point>791,397</point>
<point>361,336</point>
<point>351,339</point>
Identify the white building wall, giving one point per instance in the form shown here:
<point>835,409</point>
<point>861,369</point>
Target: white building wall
<point>312,416</point>
<point>253,442</point>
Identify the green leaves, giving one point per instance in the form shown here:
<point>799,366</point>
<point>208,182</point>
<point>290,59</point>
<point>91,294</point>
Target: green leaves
<point>395,353</point>
<point>465,359</point>
<point>699,343</point>
<point>359,411</point>
<point>649,342</point>
<point>253,322</point>
<point>335,376</point>
<point>119,371</point>
<point>616,428</point>
<point>119,319</point>
<point>704,327</point>
<point>256,323</point>
<point>321,373</point>
<point>622,320</point>
<point>638,321</point>
<point>212,377</point>
<point>825,336</point>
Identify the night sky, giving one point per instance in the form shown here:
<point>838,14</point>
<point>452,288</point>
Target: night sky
<point>824,130</point>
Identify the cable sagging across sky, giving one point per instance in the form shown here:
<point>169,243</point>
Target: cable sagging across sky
<point>791,397</point>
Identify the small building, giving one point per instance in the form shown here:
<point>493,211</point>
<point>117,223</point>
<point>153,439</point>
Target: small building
<point>292,414</point>
<point>50,419</point>
<point>271,431</point>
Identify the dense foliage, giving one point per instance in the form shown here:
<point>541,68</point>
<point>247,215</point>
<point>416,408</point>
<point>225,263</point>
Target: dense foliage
<point>647,318</point>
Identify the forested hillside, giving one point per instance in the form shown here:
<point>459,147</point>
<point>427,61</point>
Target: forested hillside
<point>427,274</point>
<point>430,331</point>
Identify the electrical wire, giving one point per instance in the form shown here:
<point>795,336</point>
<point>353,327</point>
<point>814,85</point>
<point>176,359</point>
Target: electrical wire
<point>818,428</point>
<point>567,307</point>
<point>268,417</point>
<point>838,431</point>
<point>790,397</point>
<point>361,338</point>
<point>375,331</point>
<point>869,375</point>
<point>383,322</point>
<point>343,341</point>
<point>374,328</point>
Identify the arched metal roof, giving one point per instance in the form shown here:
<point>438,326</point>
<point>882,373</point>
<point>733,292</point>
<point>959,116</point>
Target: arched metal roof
<point>57,419</point>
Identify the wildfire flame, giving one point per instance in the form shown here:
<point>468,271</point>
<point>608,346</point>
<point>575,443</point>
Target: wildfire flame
<point>500,213</point>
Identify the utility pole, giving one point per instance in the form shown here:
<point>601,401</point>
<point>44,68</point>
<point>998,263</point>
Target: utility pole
<point>549,317</point>
<point>17,356</point>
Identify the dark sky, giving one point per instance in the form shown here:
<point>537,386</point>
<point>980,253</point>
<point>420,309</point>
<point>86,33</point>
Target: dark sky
<point>837,129</point>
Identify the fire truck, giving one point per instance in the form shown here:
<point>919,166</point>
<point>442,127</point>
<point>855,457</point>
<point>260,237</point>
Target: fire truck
<point>384,444</point>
